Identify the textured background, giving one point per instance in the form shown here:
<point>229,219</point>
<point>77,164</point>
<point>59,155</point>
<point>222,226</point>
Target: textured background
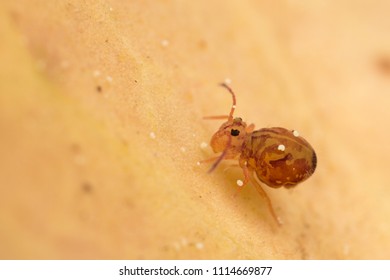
<point>84,83</point>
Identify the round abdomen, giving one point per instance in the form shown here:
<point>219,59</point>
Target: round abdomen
<point>280,157</point>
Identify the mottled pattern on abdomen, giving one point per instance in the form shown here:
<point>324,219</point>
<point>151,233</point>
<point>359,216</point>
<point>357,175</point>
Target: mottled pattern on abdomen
<point>279,157</point>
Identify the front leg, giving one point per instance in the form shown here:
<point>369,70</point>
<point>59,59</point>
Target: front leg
<point>248,176</point>
<point>244,165</point>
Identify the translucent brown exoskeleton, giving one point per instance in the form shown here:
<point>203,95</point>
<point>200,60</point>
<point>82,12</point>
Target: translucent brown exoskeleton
<point>279,157</point>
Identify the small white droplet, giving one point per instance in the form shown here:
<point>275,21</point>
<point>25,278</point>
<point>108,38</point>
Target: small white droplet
<point>234,106</point>
<point>152,135</point>
<point>111,9</point>
<point>165,43</point>
<point>240,183</point>
<point>228,81</point>
<point>281,147</point>
<point>109,79</point>
<point>198,163</point>
<point>203,145</point>
<point>96,73</point>
<point>199,245</point>
<point>295,133</point>
<point>183,149</point>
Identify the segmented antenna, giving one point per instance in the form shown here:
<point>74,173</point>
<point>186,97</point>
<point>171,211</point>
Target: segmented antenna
<point>230,118</point>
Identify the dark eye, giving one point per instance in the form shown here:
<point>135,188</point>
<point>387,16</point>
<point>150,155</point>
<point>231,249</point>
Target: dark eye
<point>234,132</point>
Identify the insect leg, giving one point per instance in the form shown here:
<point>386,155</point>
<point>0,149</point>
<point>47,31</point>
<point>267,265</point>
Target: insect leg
<point>260,190</point>
<point>246,173</point>
<point>231,166</point>
<point>209,160</point>
<point>246,178</point>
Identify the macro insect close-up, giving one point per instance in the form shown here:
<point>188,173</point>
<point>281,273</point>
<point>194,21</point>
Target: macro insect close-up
<point>106,153</point>
<point>278,157</point>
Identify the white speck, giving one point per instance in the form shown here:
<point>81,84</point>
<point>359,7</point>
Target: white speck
<point>281,147</point>
<point>165,43</point>
<point>96,73</point>
<point>152,135</point>
<point>111,9</point>
<point>199,245</point>
<point>203,145</point>
<point>183,149</point>
<point>198,163</point>
<point>295,133</point>
<point>109,79</point>
<point>240,183</point>
<point>228,81</point>
<point>234,106</point>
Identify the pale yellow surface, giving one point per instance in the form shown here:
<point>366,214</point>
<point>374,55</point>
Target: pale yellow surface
<point>82,87</point>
